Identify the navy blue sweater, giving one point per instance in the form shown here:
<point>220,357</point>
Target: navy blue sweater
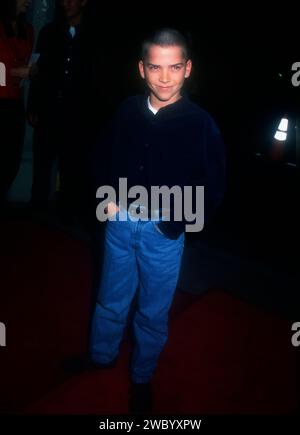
<point>180,145</point>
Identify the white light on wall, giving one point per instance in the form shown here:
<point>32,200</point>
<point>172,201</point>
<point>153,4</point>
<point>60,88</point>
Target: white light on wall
<point>283,125</point>
<point>280,135</point>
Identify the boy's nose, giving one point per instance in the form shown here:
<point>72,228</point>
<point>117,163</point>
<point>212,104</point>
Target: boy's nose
<point>164,77</point>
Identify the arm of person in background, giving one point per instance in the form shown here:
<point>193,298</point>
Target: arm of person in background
<point>26,71</point>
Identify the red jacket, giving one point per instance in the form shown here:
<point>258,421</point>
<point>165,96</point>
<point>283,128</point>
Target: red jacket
<point>14,52</point>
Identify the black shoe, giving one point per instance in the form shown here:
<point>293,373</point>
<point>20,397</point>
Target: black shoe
<point>140,398</point>
<point>84,363</point>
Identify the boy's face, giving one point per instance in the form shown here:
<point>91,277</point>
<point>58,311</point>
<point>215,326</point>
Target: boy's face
<point>164,71</point>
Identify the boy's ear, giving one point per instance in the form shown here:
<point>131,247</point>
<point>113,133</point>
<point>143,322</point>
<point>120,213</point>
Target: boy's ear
<point>141,69</point>
<point>188,69</point>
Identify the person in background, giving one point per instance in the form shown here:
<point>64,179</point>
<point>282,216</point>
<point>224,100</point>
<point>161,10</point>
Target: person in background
<point>16,45</point>
<point>59,108</point>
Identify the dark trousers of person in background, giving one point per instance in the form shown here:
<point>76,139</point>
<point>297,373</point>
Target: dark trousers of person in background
<point>12,131</point>
<point>63,139</point>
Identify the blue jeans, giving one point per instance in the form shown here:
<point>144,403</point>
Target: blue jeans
<point>136,256</point>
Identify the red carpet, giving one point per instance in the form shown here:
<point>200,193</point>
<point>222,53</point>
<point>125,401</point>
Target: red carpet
<point>223,356</point>
<point>45,280</point>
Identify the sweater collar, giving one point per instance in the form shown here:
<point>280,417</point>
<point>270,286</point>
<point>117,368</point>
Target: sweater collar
<point>166,111</point>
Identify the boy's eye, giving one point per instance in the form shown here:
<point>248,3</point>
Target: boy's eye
<point>153,67</point>
<point>176,67</point>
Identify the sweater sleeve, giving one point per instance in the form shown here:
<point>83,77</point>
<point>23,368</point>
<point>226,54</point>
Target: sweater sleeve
<point>213,180</point>
<point>215,184</point>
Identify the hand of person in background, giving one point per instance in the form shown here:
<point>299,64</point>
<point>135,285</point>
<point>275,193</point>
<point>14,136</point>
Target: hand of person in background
<point>20,72</point>
<point>25,71</point>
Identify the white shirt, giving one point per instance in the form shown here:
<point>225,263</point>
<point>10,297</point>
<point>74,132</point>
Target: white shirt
<point>151,107</point>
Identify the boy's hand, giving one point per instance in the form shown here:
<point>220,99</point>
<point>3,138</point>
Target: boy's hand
<point>111,209</point>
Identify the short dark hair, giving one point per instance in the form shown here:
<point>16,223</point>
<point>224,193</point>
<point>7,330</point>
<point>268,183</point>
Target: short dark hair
<point>166,37</point>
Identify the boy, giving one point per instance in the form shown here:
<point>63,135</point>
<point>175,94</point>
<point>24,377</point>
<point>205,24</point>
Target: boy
<point>159,139</point>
